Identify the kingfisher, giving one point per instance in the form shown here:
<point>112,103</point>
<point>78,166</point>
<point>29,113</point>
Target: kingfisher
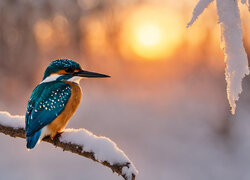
<point>54,101</point>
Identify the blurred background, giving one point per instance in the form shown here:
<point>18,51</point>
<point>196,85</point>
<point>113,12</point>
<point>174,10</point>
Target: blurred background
<point>165,105</point>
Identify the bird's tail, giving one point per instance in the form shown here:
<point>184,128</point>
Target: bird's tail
<point>32,140</point>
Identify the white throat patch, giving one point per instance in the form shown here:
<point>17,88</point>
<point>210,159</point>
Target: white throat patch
<point>75,79</point>
<point>50,78</point>
<point>53,77</point>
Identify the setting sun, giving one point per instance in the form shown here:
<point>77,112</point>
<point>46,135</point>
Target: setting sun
<point>148,40</point>
<point>150,35</point>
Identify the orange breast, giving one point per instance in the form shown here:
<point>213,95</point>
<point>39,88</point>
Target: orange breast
<point>59,124</point>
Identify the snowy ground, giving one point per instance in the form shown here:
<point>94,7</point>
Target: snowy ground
<point>186,133</point>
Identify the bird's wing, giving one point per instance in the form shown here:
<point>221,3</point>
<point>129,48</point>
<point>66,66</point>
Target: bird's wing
<point>46,102</point>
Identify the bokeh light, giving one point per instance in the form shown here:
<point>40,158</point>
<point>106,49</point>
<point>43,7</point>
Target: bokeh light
<point>166,96</point>
<point>152,33</point>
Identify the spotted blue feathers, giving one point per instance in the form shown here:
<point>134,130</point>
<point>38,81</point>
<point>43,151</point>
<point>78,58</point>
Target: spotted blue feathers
<point>46,102</point>
<point>60,85</point>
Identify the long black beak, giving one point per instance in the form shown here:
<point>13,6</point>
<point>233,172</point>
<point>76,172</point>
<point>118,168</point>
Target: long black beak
<point>89,74</point>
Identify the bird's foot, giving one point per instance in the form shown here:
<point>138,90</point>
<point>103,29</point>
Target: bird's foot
<point>55,138</point>
<point>58,135</point>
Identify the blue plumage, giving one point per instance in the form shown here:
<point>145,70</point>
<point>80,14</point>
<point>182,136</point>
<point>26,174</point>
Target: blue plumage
<point>46,103</point>
<point>60,64</point>
<point>32,140</point>
<point>49,98</point>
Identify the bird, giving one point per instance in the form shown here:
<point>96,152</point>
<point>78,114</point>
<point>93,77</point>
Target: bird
<point>54,101</point>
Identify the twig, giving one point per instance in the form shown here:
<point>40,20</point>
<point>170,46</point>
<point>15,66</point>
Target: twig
<point>74,148</point>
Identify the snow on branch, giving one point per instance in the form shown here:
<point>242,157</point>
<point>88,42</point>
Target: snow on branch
<point>247,3</point>
<point>235,54</point>
<point>198,10</point>
<point>78,141</point>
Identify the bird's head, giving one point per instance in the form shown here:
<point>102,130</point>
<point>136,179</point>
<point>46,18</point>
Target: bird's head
<point>65,69</point>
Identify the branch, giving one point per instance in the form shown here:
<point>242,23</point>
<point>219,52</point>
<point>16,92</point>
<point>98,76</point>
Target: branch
<point>198,10</point>
<point>232,44</point>
<point>115,159</point>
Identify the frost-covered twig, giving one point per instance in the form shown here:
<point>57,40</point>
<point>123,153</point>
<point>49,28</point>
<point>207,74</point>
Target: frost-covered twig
<point>247,3</point>
<point>231,33</point>
<point>198,10</point>
<point>78,141</point>
<point>235,54</point>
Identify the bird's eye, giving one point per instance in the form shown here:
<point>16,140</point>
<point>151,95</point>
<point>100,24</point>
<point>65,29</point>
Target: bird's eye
<point>69,70</point>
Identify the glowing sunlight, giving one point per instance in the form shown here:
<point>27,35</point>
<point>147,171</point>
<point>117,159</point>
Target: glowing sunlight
<point>148,34</point>
<point>152,35</point>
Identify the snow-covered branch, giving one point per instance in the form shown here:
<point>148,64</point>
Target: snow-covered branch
<point>78,141</point>
<point>198,10</point>
<point>235,54</point>
<point>247,3</point>
<point>231,33</point>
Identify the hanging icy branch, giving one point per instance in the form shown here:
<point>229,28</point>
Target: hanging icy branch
<point>231,33</point>
<point>235,54</point>
<point>247,3</point>
<point>198,10</point>
<point>78,141</point>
